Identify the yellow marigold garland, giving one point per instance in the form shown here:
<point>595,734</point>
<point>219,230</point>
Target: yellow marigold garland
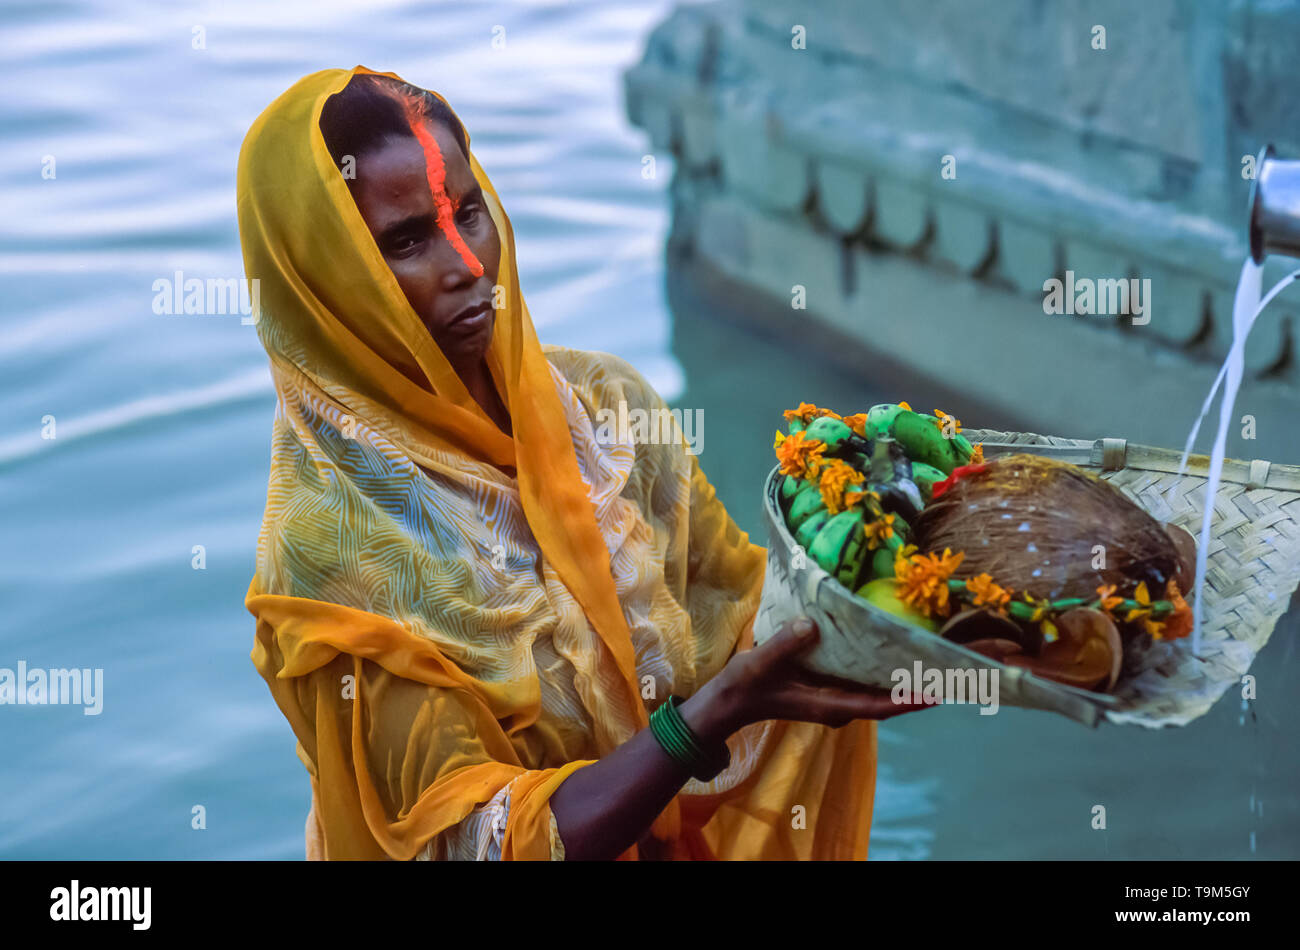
<point>987,593</point>
<point>943,419</point>
<point>807,412</point>
<point>836,478</point>
<point>857,422</point>
<point>799,455</point>
<point>921,580</point>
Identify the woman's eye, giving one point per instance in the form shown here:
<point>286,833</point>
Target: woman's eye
<point>403,245</point>
<point>468,214</point>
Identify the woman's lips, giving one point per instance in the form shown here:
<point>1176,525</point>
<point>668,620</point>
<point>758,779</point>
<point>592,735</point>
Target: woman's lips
<point>471,318</point>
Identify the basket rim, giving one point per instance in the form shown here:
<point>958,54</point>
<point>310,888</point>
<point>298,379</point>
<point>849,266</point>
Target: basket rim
<point>1109,454</point>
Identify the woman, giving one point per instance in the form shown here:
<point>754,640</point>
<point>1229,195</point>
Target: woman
<point>467,605</point>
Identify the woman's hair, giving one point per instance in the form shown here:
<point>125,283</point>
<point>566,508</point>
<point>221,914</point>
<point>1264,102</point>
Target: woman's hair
<point>368,112</point>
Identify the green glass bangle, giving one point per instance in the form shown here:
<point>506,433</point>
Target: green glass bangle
<point>682,745</point>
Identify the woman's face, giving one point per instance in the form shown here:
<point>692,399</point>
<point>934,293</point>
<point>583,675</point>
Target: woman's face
<point>391,190</point>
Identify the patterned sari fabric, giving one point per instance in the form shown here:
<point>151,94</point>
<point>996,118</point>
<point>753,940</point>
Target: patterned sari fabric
<point>454,620</point>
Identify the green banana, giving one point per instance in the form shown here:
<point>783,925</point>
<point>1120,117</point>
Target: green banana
<point>808,530</point>
<point>880,418</point>
<point>806,503</point>
<point>834,539</point>
<point>831,431</point>
<point>855,562</point>
<point>925,477</point>
<point>924,441</point>
<point>882,563</point>
<point>792,486</point>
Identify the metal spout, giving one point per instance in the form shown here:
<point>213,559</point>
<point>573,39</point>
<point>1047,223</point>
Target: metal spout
<point>1274,207</point>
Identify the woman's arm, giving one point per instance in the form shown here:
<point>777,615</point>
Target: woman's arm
<point>603,809</point>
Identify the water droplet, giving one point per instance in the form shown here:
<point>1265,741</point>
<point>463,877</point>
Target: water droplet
<point>984,541</point>
<point>1003,503</point>
<point>1007,516</point>
<point>1033,549</point>
<point>1024,526</point>
<point>972,506</point>
<point>1037,572</point>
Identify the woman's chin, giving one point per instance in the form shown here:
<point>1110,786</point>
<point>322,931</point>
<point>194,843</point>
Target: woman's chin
<point>466,342</point>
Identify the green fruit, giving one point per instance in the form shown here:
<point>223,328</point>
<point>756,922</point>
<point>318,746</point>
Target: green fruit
<point>880,593</point>
<point>796,425</point>
<point>963,447</point>
<point>808,530</point>
<point>924,442</point>
<point>829,547</point>
<point>791,487</point>
<point>880,418</point>
<point>806,503</point>
<point>831,431</point>
<point>855,562</point>
<point>882,563</point>
<point>925,477</point>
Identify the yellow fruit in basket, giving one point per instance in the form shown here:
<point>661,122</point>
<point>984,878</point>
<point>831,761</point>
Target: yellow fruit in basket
<point>880,593</point>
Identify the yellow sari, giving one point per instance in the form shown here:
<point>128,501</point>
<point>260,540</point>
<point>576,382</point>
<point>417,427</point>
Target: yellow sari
<point>448,641</point>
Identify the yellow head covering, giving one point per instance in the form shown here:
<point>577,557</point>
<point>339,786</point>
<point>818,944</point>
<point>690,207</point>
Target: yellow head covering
<point>395,554</point>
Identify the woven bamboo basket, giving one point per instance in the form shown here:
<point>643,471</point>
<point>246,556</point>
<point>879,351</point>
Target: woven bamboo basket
<point>1253,569</point>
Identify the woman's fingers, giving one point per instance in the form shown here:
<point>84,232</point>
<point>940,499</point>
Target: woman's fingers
<point>815,679</point>
<point>835,707</point>
<point>791,638</point>
<point>781,688</point>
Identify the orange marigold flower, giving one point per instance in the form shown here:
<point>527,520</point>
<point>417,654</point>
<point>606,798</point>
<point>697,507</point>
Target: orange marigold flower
<point>903,405</point>
<point>837,476</point>
<point>943,420</point>
<point>977,455</point>
<point>1179,623</point>
<point>1107,598</point>
<point>988,593</point>
<point>921,580</point>
<point>878,532</point>
<point>799,455</point>
<point>807,412</point>
<point>857,422</point>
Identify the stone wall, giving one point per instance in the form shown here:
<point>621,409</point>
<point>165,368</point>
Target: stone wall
<point>957,153</point>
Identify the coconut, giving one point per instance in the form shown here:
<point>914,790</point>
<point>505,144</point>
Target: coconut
<point>1048,528</point>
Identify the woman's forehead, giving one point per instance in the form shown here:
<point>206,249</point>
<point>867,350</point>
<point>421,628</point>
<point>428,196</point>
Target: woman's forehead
<point>398,168</point>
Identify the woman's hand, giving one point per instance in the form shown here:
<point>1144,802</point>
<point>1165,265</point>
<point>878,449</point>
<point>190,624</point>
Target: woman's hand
<point>605,807</point>
<point>768,682</point>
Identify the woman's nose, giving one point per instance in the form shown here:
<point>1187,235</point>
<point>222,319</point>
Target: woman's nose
<point>453,269</point>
